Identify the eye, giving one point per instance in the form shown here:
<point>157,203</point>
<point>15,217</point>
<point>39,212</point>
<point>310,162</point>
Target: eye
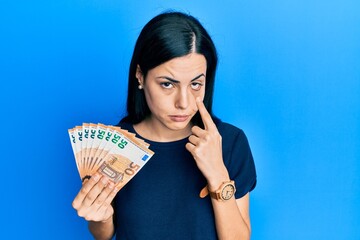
<point>167,85</point>
<point>196,86</point>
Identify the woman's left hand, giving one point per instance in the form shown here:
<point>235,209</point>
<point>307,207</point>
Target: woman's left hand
<point>206,147</point>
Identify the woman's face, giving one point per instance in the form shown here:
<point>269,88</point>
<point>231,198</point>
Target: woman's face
<point>171,89</point>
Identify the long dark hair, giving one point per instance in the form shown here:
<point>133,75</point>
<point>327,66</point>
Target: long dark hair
<point>167,36</point>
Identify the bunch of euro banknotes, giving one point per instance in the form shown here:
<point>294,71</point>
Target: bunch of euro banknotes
<point>109,150</point>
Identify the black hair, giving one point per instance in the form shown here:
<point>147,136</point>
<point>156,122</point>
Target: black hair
<point>168,35</point>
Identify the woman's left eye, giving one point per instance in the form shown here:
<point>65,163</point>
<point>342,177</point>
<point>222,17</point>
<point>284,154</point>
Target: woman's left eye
<point>196,85</point>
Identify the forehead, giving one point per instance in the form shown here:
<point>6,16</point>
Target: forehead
<point>182,67</point>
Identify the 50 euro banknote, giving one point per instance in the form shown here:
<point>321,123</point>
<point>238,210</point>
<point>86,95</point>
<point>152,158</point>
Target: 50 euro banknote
<point>109,150</point>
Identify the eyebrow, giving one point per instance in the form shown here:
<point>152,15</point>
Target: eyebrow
<point>177,81</point>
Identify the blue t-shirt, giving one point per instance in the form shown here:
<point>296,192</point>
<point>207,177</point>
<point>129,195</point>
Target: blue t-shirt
<point>162,201</point>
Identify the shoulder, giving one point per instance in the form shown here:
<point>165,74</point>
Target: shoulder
<point>229,131</point>
<point>234,139</point>
<point>125,125</point>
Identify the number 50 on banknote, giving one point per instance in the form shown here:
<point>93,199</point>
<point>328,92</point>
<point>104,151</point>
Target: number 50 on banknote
<point>111,151</point>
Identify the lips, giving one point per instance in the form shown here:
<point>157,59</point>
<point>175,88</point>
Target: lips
<point>179,118</point>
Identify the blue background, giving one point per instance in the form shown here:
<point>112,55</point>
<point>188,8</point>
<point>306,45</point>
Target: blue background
<point>289,75</point>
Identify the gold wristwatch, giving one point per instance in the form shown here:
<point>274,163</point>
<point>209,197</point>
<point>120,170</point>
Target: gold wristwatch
<point>225,191</point>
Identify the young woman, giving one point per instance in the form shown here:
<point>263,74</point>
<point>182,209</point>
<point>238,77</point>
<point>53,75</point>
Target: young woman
<point>187,189</point>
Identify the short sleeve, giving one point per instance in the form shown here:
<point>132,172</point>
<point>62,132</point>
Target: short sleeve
<point>239,161</point>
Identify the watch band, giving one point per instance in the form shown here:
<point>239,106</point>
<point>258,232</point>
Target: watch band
<point>215,195</point>
<point>218,193</point>
<point>204,192</point>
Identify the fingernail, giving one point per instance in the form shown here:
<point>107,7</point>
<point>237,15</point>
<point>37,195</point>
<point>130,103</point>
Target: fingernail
<point>111,186</point>
<point>96,177</point>
<point>104,180</point>
<point>198,99</point>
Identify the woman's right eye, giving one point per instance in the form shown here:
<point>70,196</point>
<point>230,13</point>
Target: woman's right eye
<point>167,85</point>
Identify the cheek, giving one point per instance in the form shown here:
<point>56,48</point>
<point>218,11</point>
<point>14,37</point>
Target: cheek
<point>196,94</point>
<point>157,102</point>
<point>200,93</point>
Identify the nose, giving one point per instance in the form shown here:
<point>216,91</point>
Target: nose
<point>183,99</point>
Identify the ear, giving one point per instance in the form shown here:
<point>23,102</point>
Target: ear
<point>139,75</point>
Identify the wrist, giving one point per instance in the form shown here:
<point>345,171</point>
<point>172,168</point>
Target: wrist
<point>110,219</point>
<point>215,181</point>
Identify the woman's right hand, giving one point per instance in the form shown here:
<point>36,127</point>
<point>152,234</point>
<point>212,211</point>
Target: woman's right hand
<point>93,202</point>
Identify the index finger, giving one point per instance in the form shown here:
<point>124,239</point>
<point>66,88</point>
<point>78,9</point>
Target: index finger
<point>205,115</point>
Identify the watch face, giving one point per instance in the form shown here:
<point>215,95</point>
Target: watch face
<point>227,192</point>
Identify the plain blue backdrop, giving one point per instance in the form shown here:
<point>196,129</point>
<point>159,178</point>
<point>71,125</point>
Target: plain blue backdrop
<point>288,75</point>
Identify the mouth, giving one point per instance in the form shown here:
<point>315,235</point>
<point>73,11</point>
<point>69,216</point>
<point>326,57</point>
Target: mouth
<point>179,118</point>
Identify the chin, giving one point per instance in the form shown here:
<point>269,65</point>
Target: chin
<point>177,126</point>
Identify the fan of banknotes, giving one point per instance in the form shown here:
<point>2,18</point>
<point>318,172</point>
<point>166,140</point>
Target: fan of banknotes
<point>111,151</point>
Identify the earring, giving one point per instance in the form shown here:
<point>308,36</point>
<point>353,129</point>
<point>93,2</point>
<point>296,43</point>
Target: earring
<point>140,87</point>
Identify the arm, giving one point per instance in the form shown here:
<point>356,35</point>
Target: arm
<point>231,220</point>
<point>102,230</point>
<point>232,216</point>
<point>93,203</point>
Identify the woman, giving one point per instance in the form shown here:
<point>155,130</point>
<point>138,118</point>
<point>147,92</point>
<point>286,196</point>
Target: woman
<point>170,91</point>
